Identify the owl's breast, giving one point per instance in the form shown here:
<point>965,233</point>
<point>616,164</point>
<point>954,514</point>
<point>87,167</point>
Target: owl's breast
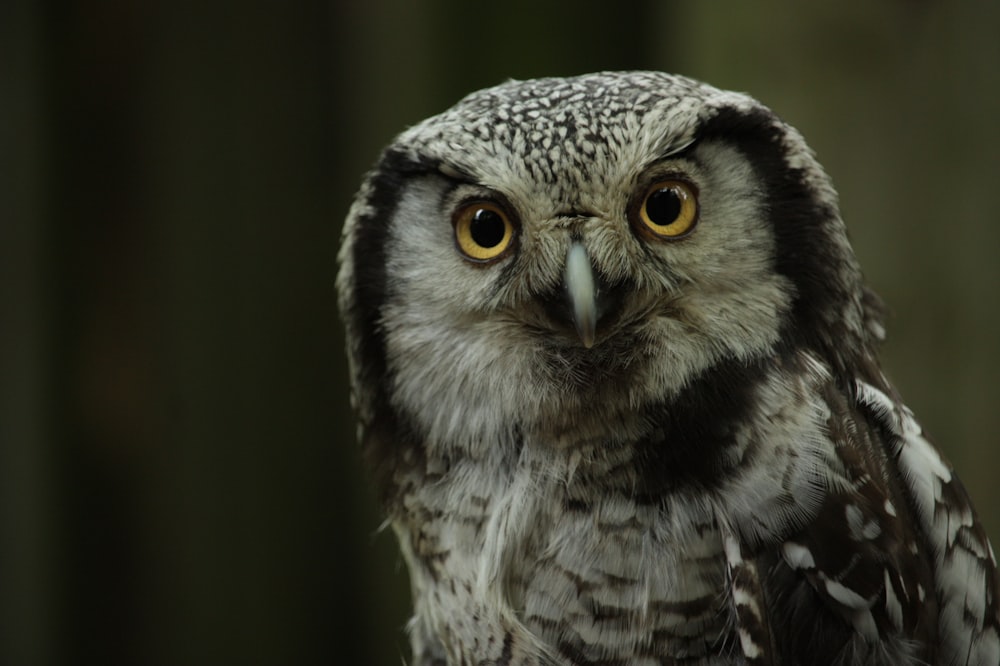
<point>561,554</point>
<point>618,580</point>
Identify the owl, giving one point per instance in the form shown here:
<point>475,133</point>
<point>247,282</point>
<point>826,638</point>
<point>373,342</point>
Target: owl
<point>616,376</point>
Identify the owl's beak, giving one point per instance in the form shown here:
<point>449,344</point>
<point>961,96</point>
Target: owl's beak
<point>581,291</point>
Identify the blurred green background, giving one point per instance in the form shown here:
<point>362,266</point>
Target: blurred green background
<point>178,478</point>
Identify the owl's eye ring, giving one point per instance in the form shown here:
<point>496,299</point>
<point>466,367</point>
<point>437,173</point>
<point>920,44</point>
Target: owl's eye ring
<point>484,231</point>
<point>668,210</point>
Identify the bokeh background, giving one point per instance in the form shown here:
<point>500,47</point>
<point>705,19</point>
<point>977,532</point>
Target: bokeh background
<point>179,482</point>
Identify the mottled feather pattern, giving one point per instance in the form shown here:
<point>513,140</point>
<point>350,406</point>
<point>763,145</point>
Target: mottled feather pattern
<point>718,472</point>
<point>965,580</point>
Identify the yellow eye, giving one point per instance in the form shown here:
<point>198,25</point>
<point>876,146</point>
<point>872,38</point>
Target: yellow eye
<point>483,231</point>
<point>669,209</point>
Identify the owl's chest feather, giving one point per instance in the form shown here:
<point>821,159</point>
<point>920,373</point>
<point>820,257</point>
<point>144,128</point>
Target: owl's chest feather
<point>579,565</point>
<point>620,580</point>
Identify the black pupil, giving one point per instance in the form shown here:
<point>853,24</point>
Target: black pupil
<point>487,228</point>
<point>663,206</point>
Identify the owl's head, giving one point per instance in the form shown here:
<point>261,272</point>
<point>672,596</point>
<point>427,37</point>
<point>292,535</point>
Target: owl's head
<point>553,256</point>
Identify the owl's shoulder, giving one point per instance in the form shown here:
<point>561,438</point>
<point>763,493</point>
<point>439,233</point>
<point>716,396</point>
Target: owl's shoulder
<point>882,570</point>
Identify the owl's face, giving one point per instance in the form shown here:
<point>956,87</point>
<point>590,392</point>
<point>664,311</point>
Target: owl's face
<point>556,256</point>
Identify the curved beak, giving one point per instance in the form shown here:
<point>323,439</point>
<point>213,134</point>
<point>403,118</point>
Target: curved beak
<point>581,292</point>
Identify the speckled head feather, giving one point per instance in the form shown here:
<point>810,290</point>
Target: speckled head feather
<point>615,369</point>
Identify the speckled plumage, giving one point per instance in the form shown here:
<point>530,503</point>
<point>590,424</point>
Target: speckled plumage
<point>716,471</point>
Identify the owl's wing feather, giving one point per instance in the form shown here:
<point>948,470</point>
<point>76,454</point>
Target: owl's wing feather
<point>852,578</point>
<point>965,573</point>
<point>895,567</point>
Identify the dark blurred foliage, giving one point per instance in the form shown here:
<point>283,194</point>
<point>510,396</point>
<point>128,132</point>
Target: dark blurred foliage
<point>179,482</point>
